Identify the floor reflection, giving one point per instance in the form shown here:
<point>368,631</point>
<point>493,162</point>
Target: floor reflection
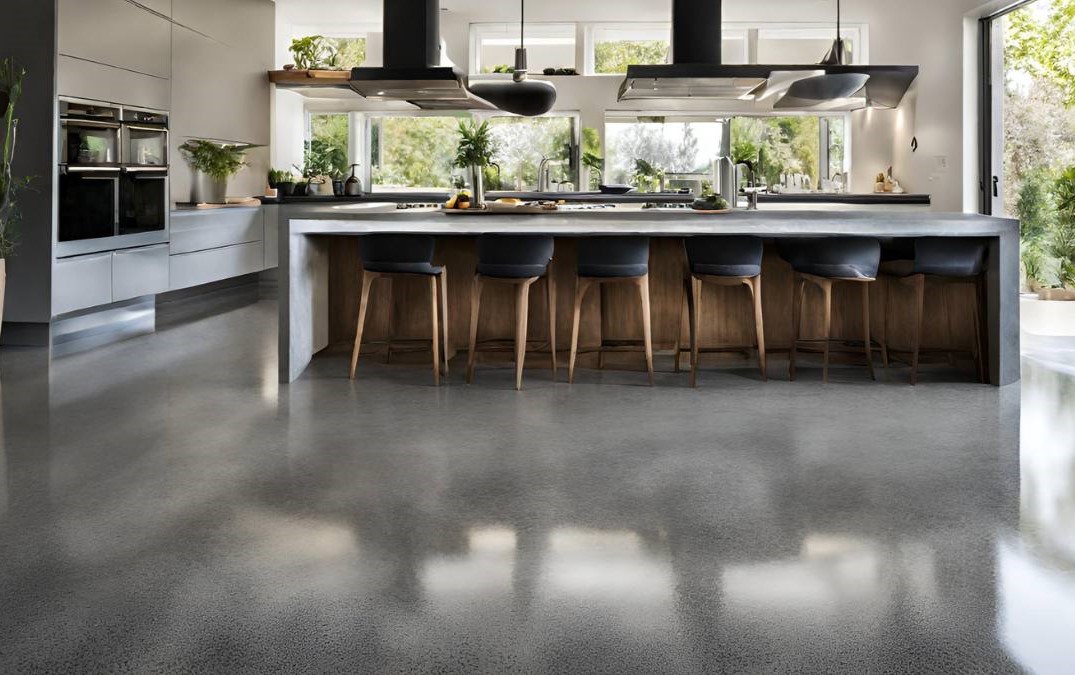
<point>1036,570</point>
<point>165,508</point>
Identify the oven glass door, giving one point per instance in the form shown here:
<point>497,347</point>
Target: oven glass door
<point>145,146</point>
<point>143,202</point>
<point>87,143</point>
<point>88,205</point>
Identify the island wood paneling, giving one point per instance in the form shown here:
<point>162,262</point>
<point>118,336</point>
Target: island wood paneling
<point>614,312</point>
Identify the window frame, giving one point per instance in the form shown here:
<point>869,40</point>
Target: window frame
<point>533,30</point>
<point>749,31</point>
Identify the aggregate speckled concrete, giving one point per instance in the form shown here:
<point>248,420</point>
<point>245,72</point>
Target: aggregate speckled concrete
<point>166,506</point>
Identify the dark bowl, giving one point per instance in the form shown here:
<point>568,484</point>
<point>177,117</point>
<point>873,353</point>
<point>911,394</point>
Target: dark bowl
<point>616,189</point>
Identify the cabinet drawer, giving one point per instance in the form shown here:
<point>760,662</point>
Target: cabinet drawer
<point>192,232</point>
<point>203,267</point>
<point>81,282</point>
<point>139,271</point>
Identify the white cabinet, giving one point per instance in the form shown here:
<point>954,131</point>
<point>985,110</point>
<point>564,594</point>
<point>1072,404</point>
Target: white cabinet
<point>203,267</point>
<point>81,282</point>
<point>98,279</point>
<point>200,230</point>
<point>139,271</point>
<point>116,33</point>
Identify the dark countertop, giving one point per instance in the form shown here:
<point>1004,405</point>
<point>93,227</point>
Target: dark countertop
<point>598,197</point>
<point>848,198</point>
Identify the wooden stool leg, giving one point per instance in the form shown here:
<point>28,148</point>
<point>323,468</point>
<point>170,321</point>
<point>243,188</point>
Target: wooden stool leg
<point>866,325</point>
<point>522,310</point>
<point>683,307</point>
<point>436,329</point>
<point>798,291</point>
<point>696,310</point>
<point>885,283</point>
<point>759,326</point>
<point>550,298</point>
<point>363,304</point>
<point>826,289</point>
<point>581,287</point>
<point>444,316</point>
<point>647,326</point>
<point>919,282</point>
<point>475,306</point>
<point>692,327</point>
<point>391,318</point>
<point>979,348</point>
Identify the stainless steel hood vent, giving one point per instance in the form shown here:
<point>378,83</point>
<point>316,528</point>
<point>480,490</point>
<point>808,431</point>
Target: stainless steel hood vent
<point>414,69</point>
<point>696,72</point>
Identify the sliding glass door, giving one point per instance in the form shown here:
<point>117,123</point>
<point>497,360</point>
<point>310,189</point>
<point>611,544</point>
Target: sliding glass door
<point>1028,140</point>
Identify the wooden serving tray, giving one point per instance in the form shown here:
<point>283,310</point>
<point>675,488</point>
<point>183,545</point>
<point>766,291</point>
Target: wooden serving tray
<point>501,211</point>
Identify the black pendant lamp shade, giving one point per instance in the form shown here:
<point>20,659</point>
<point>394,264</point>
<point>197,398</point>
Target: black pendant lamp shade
<point>830,86</point>
<point>521,96</point>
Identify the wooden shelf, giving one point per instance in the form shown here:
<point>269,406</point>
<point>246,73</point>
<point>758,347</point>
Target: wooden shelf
<point>310,78</point>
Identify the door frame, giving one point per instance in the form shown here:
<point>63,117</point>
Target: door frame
<point>990,110</point>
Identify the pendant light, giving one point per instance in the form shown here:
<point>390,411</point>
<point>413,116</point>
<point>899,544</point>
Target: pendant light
<point>521,96</point>
<point>830,86</point>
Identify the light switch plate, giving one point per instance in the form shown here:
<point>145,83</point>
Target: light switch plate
<point>940,163</point>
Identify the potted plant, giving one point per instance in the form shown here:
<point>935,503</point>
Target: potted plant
<point>314,52</point>
<point>474,153</point>
<point>213,163</point>
<point>647,176</point>
<point>11,79</point>
<point>591,158</point>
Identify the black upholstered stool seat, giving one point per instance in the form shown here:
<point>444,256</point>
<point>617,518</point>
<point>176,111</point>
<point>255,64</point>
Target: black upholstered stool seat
<point>722,261</point>
<point>725,256</point>
<point>385,256</point>
<point>833,257</point>
<point>519,260</point>
<point>951,260</point>
<point>421,268</point>
<point>821,262</point>
<point>613,259</point>
<point>514,256</point>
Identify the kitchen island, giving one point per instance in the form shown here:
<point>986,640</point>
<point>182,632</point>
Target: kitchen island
<point>320,276</point>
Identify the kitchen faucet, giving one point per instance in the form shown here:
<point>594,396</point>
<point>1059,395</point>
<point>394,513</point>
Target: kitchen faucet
<point>544,175</point>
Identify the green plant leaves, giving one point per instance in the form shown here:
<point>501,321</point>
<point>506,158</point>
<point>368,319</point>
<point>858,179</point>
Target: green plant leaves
<point>476,145</point>
<point>214,159</point>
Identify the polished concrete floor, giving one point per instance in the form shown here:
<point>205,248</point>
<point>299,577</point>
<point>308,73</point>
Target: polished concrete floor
<point>165,506</point>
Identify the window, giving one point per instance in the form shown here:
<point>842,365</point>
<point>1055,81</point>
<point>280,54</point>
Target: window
<point>329,135</point>
<point>795,146</point>
<point>548,45</point>
<point>612,47</point>
<point>786,149</point>
<point>412,153</point>
<point>351,50</point>
<point>671,145</point>
<point>522,144</point>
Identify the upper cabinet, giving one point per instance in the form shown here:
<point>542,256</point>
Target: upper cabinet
<point>235,22</point>
<point>116,33</point>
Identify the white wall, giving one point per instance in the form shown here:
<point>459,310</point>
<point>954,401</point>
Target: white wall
<point>926,33</point>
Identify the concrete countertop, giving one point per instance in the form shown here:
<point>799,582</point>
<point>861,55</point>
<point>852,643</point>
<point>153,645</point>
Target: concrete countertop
<point>880,222</point>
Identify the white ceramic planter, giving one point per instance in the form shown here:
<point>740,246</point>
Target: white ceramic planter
<point>1046,317</point>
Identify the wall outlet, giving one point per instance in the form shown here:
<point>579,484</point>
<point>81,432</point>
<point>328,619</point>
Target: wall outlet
<point>940,163</point>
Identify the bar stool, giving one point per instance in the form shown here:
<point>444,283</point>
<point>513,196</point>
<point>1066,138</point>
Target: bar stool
<point>823,262</point>
<point>948,261</point>
<point>518,260</point>
<point>389,256</point>
<point>607,260</point>
<point>722,261</point>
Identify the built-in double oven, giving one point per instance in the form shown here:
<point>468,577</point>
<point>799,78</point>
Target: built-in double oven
<point>113,176</point>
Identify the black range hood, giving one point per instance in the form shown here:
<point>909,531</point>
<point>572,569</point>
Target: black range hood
<point>697,72</point>
<point>414,69</point>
